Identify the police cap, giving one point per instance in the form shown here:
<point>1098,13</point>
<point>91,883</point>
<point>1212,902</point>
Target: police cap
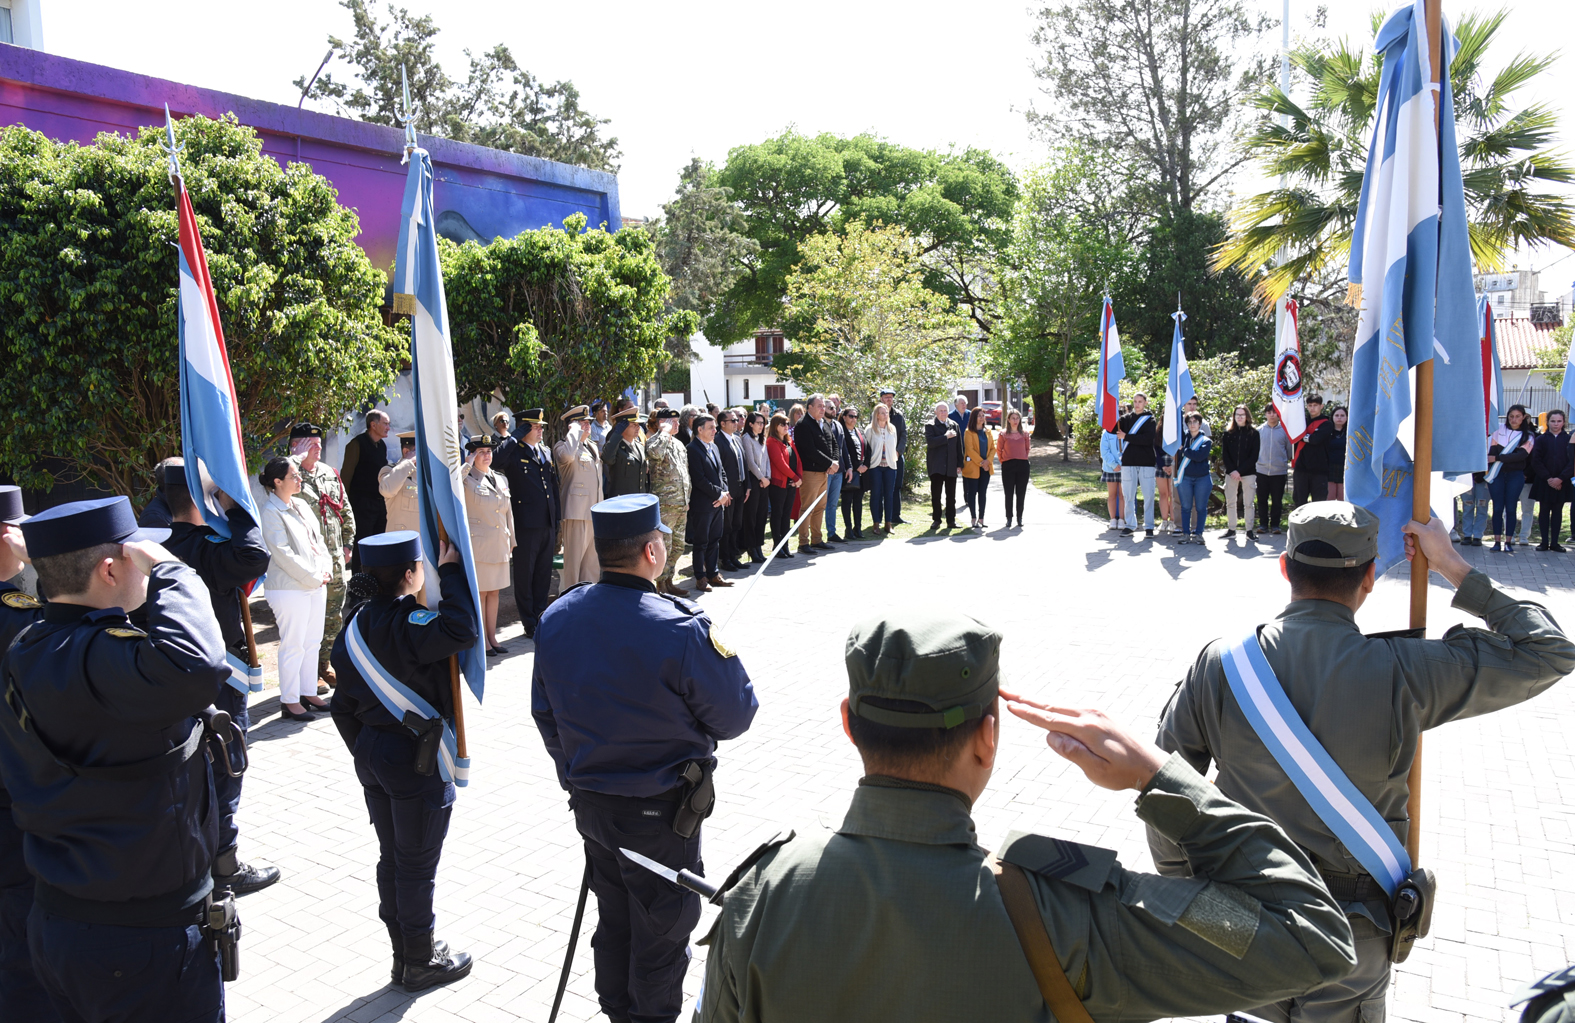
<point>300,430</point>
<point>83,524</point>
<point>485,440</point>
<point>629,413</point>
<point>946,661</point>
<point>1332,534</point>
<point>575,414</point>
<point>619,518</point>
<point>534,415</point>
<point>407,438</point>
<point>400,547</point>
<point>11,505</point>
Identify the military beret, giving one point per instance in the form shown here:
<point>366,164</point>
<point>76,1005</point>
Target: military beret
<point>534,415</point>
<point>619,518</point>
<point>666,413</point>
<point>400,547</point>
<point>576,413</point>
<point>946,661</point>
<point>300,430</point>
<point>83,524</point>
<point>1337,534</point>
<point>485,440</point>
<point>11,505</point>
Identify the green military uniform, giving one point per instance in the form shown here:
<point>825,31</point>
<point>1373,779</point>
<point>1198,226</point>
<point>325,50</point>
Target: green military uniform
<point>624,459</point>
<point>1367,699</point>
<point>325,492</point>
<point>668,465</point>
<point>897,915</point>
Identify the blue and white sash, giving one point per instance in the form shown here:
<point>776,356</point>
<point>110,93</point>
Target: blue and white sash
<point>1337,802</point>
<point>1498,463</point>
<point>1137,424</point>
<point>1187,458</point>
<point>397,698</point>
<point>243,677</point>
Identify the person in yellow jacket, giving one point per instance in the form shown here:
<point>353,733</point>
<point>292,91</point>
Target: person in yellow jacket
<point>978,465</point>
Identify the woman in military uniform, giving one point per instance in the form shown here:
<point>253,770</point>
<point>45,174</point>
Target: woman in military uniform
<point>491,516</point>
<point>397,484</point>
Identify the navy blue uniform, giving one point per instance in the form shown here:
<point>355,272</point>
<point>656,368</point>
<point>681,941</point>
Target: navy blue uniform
<point>533,489</point>
<point>629,686</point>
<point>21,997</point>
<point>409,811</point>
<point>122,866</point>
<point>225,566</point>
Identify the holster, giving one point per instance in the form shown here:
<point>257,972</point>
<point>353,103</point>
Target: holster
<point>698,799</point>
<point>429,733</point>
<point>226,737</point>
<point>222,925</point>
<point>1411,912</point>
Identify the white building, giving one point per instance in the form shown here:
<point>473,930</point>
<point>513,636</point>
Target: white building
<point>21,23</point>
<point>740,373</point>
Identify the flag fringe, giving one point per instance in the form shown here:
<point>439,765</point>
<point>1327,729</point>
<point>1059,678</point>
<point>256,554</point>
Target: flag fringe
<point>1353,295</point>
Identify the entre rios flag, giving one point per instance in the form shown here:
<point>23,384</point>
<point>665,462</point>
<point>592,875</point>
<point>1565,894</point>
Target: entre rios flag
<point>1411,271</point>
<point>1288,395</point>
<point>1112,368</point>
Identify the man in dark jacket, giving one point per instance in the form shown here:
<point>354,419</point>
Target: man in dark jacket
<point>1239,450</point>
<point>533,490</point>
<point>708,501</point>
<point>1136,432</point>
<point>729,423</point>
<point>943,461</point>
<point>889,398</point>
<point>1552,469</point>
<point>1311,480</point>
<point>623,455</point>
<point>365,457</point>
<point>831,423</point>
<point>818,459</point>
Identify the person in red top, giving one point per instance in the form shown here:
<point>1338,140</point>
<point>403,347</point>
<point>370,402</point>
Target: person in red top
<point>1012,446</point>
<point>786,474</point>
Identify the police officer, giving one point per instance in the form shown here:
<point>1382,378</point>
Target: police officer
<point>226,566</point>
<point>101,750</point>
<point>899,914</point>
<point>632,726</point>
<point>623,455</point>
<point>1366,700</point>
<point>410,801</point>
<point>533,487</point>
<point>21,996</point>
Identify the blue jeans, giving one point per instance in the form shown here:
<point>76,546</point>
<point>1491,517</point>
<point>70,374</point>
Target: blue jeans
<point>1132,478</point>
<point>1474,511</point>
<point>1505,492</point>
<point>833,500</point>
<point>902,479</point>
<point>883,495</point>
<point>1194,494</point>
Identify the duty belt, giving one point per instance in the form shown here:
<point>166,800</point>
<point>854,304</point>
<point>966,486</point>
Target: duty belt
<point>1354,887</point>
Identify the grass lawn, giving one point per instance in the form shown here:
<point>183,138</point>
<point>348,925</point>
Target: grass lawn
<point>1077,481</point>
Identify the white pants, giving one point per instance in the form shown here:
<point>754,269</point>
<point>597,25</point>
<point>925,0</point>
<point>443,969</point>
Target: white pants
<point>1249,489</point>
<point>300,615</point>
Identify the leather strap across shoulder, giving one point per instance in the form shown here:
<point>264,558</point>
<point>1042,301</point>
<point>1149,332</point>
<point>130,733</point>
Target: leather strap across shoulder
<point>1023,909</point>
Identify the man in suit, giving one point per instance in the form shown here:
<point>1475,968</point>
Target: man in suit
<point>888,397</point>
<point>819,461</point>
<point>943,461</point>
<point>709,497</point>
<point>580,481</point>
<point>533,487</point>
<point>731,448</point>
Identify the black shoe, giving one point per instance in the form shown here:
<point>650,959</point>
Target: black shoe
<point>1557,547</point>
<point>823,546</point>
<point>1149,533</point>
<point>784,553</point>
<point>759,555</point>
<point>732,566</point>
<point>1230,533</point>
<point>1542,546</point>
<point>951,525</point>
<point>858,534</point>
<point>1127,531</point>
<point>837,539</point>
<point>900,521</point>
<point>429,963</point>
<point>248,879</point>
<point>289,715</point>
<point>322,708</point>
<point>1252,537</point>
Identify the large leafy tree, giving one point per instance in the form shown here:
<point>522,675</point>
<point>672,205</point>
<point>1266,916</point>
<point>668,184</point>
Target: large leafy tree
<point>1301,233</point>
<point>870,321</point>
<point>88,284</point>
<point>497,104</point>
<point>956,206</point>
<point>553,318</point>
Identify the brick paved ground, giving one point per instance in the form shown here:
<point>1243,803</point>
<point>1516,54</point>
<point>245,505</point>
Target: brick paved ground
<point>1088,618</point>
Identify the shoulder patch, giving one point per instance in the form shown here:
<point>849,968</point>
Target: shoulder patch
<point>215,538</point>
<point>721,647</point>
<point>1086,866</point>
<point>125,632</point>
<point>422,616</point>
<point>19,601</point>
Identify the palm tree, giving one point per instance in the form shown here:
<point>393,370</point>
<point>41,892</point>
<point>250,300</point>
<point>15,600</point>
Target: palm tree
<point>1302,231</point>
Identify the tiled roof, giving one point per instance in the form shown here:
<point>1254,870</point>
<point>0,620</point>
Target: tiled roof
<point>1519,342</point>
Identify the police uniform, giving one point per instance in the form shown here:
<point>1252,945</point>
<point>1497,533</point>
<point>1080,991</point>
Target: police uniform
<point>226,566</point>
<point>623,456</point>
<point>21,996</point>
<point>667,461</point>
<point>623,717</point>
<point>580,474</point>
<point>1366,699</point>
<point>898,914</point>
<point>533,487</point>
<point>409,810</point>
<point>322,488</point>
<point>100,749</point>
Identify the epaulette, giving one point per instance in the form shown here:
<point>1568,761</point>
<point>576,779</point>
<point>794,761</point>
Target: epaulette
<point>1397,634</point>
<point>1086,866</point>
<point>576,586</point>
<point>16,600</point>
<point>126,632</point>
<point>216,538</point>
<point>681,604</point>
<point>423,616</point>
<point>780,838</point>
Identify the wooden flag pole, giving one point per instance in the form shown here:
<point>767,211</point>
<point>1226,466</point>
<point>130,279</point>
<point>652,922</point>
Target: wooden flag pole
<point>251,637</point>
<point>1422,466</point>
<point>453,677</point>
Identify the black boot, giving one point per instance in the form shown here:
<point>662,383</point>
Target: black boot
<point>429,963</point>
<point>397,974</point>
<point>241,878</point>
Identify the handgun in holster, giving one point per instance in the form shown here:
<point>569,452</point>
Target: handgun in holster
<point>221,731</point>
<point>222,924</point>
<point>429,733</point>
<point>1411,912</point>
<point>698,799</point>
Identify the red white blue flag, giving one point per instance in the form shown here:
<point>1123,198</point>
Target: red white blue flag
<point>1107,392</point>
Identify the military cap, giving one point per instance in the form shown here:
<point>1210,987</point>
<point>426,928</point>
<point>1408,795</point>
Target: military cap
<point>1336,534</point>
<point>534,415</point>
<point>11,513</point>
<point>300,430</point>
<point>485,440</point>
<point>946,661</point>
<point>619,518</point>
<point>400,547</point>
<point>631,412</point>
<point>1548,1000</point>
<point>666,413</point>
<point>576,413</point>
<point>407,437</point>
<point>83,524</point>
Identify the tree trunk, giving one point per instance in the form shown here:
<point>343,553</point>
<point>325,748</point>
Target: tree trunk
<point>1045,425</point>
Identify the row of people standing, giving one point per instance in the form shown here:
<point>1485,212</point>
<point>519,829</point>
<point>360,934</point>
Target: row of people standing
<point>1525,467</point>
<point>959,443</point>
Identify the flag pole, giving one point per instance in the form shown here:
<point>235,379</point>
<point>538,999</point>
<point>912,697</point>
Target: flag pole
<point>453,673</point>
<point>1422,465</point>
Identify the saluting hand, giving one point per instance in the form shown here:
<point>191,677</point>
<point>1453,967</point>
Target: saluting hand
<point>16,541</point>
<point>144,554</point>
<point>1109,755</point>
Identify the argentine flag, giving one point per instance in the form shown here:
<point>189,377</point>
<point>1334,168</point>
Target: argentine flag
<point>1411,270</point>
<point>1178,389</point>
<point>1112,367</point>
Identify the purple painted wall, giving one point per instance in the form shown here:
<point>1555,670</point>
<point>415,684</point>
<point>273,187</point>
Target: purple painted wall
<point>493,193</point>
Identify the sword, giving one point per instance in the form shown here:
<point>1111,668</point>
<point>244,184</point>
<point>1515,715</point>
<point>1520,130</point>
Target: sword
<point>682,878</point>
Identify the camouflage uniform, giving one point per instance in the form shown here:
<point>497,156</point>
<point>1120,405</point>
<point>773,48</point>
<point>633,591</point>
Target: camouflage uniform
<point>321,488</point>
<point>668,465</point>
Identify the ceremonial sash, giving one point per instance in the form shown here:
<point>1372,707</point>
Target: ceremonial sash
<point>1327,789</point>
<point>1137,424</point>
<point>243,677</point>
<point>1186,459</point>
<point>397,698</point>
<point>1492,473</point>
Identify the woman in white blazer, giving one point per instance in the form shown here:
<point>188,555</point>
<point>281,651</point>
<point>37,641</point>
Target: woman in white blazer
<point>298,571</point>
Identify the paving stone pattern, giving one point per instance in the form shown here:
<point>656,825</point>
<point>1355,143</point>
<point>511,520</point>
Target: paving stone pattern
<point>1089,619</point>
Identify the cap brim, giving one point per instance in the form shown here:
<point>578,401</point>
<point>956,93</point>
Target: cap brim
<point>16,521</point>
<point>664,527</point>
<point>152,535</point>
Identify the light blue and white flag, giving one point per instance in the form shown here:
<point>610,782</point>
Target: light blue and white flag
<point>1112,367</point>
<point>440,462</point>
<point>1411,270</point>
<point>1178,389</point>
